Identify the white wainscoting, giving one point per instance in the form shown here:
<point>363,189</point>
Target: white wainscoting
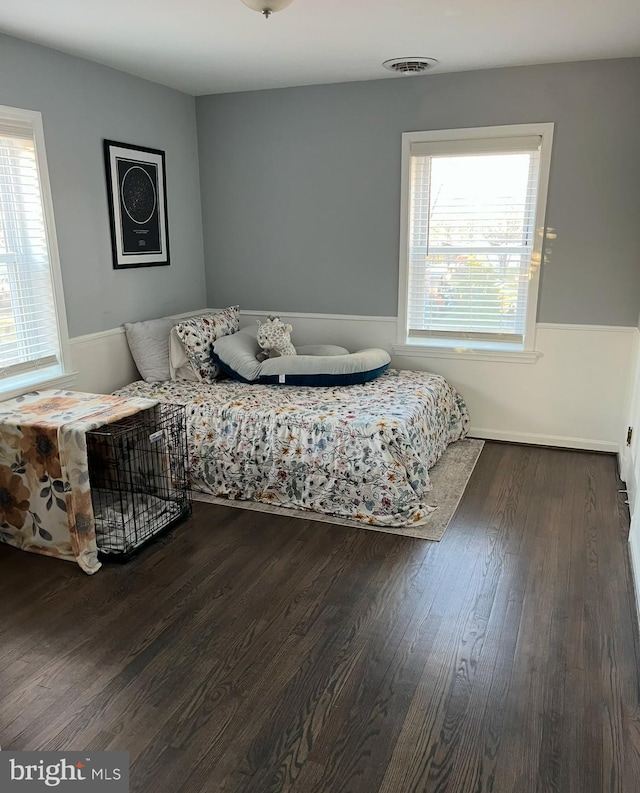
<point>575,395</point>
<point>103,360</point>
<point>630,454</point>
<point>630,463</point>
<point>634,554</point>
<point>353,332</point>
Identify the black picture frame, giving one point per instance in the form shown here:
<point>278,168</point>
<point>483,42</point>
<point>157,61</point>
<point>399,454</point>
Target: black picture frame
<point>137,199</point>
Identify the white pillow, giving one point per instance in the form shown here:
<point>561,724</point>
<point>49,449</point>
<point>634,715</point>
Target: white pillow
<point>180,367</point>
<point>149,345</point>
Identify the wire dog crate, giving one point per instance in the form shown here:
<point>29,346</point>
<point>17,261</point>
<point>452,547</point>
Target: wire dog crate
<point>138,469</point>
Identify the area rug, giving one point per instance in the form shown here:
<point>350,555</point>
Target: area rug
<point>449,478</point>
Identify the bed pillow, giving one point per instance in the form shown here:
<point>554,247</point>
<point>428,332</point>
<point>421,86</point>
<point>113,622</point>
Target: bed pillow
<point>179,364</point>
<point>197,334</point>
<point>334,366</point>
<point>149,345</point>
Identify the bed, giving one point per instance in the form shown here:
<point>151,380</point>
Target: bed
<point>360,452</point>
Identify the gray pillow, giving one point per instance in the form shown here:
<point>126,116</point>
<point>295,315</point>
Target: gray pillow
<point>149,345</point>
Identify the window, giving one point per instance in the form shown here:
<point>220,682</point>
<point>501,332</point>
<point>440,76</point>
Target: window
<point>473,227</point>
<point>33,332</point>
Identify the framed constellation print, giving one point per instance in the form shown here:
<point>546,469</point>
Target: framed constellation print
<point>137,196</point>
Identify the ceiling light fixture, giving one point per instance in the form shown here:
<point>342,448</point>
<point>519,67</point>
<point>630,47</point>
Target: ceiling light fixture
<point>267,7</point>
<point>409,65</point>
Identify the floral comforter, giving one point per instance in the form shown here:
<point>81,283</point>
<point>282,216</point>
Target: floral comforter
<point>361,451</point>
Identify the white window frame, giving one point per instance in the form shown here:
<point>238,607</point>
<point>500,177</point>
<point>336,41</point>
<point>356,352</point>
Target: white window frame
<point>61,374</point>
<point>435,348</point>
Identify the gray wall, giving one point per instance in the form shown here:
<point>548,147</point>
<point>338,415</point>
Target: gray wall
<point>301,186</point>
<point>82,103</point>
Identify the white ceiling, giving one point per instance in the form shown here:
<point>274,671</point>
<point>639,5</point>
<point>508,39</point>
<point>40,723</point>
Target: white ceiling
<point>216,46</point>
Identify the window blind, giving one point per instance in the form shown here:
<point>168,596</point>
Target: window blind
<point>28,328</point>
<point>472,211</point>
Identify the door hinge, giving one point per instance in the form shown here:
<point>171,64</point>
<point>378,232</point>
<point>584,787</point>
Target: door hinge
<point>629,435</point>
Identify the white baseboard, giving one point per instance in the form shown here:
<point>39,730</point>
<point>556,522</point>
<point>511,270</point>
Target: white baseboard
<point>558,441</point>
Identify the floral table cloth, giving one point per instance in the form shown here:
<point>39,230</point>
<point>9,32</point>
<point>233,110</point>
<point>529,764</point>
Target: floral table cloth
<point>45,496</point>
<point>361,451</point>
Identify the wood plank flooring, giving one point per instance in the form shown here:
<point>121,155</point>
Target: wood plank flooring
<point>247,653</point>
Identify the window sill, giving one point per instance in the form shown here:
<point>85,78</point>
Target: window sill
<point>36,381</point>
<point>466,353</point>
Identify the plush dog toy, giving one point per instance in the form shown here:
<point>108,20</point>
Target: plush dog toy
<point>275,337</point>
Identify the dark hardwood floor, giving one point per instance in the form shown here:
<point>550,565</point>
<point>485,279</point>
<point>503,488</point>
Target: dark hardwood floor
<point>247,653</point>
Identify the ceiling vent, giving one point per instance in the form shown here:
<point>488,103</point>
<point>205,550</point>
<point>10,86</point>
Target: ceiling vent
<point>410,65</point>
